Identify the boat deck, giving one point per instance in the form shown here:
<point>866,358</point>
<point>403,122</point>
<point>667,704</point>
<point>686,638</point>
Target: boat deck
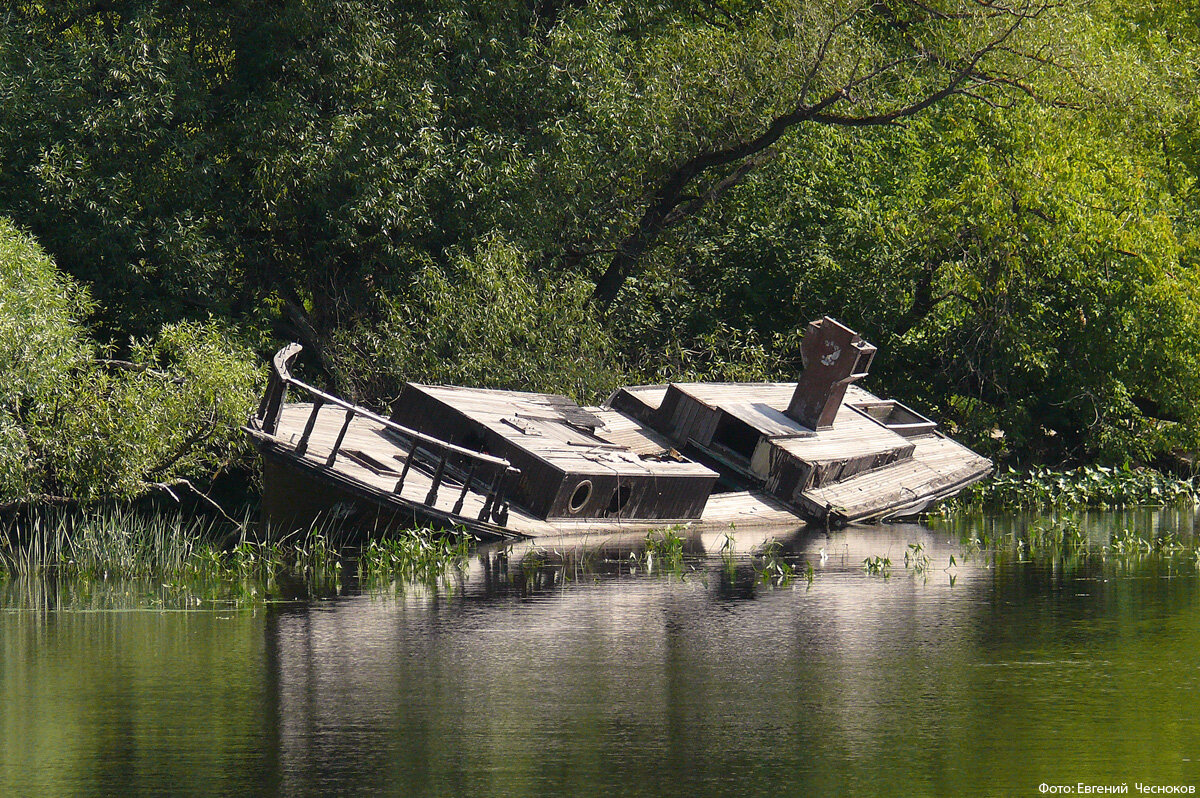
<point>373,460</point>
<point>938,468</point>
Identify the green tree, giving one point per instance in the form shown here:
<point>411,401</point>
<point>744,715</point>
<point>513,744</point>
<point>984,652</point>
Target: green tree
<point>484,321</point>
<point>77,426</point>
<point>1000,194</point>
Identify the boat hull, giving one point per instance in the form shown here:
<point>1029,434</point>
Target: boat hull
<point>301,494</point>
<point>502,464</point>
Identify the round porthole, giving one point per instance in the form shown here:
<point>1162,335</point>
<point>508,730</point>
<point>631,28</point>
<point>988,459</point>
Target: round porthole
<point>583,492</point>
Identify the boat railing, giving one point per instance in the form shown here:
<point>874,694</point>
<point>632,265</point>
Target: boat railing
<point>444,460</point>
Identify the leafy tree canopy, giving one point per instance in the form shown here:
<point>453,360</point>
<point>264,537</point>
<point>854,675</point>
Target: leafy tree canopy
<point>566,194</point>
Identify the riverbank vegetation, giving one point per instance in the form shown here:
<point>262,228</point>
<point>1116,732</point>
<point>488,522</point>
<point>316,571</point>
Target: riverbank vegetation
<point>80,422</point>
<point>114,559</point>
<point>1087,486</point>
<point>1068,543</point>
<point>215,560</point>
<point>565,196</point>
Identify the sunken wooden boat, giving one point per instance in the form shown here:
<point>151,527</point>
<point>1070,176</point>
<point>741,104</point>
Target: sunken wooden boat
<point>506,464</point>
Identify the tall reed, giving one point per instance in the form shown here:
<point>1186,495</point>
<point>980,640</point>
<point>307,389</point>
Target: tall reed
<point>213,559</point>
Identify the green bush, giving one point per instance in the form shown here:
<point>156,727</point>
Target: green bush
<point>76,425</point>
<point>489,321</point>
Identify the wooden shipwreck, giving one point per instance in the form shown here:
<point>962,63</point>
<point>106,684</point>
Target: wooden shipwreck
<point>507,463</point>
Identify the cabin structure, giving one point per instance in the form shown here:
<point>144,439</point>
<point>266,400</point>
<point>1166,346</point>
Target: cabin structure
<point>574,462</point>
<point>822,444</point>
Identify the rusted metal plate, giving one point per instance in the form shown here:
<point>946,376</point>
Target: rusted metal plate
<point>834,356</point>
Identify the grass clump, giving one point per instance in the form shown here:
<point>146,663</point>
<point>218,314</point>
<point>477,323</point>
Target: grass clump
<point>99,543</point>
<point>423,556</point>
<point>201,558</point>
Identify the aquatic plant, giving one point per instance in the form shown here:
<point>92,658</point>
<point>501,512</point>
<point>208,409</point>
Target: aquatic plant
<point>1089,486</point>
<point>663,550</point>
<point>1070,542</point>
<point>424,556</point>
<point>771,566</point>
<point>728,555</point>
<point>1063,534</point>
<point>99,543</point>
<point>916,558</point>
<point>878,566</point>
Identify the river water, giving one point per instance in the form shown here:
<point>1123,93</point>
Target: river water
<point>574,669</point>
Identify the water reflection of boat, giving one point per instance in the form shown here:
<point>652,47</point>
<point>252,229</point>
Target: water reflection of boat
<point>507,463</point>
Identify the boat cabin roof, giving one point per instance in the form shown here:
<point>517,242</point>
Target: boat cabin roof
<point>557,431</point>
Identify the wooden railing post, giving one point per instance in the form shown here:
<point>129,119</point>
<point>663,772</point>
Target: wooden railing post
<point>497,505</point>
<point>275,397</point>
<point>490,500</point>
<point>412,452</point>
<point>337,444</point>
<point>271,407</point>
<point>431,497</point>
<point>302,446</point>
<point>270,411</point>
<point>458,505</point>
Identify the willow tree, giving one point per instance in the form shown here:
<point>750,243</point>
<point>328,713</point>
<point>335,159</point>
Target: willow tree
<point>77,425</point>
<point>701,105</point>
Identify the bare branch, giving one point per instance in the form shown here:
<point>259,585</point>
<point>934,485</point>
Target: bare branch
<point>41,498</point>
<point>710,18</point>
<point>181,482</point>
<point>141,368</point>
<point>202,433</point>
<point>822,51</point>
<point>694,204</point>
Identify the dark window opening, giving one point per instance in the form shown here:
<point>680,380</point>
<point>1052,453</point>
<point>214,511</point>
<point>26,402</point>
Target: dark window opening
<point>726,484</point>
<point>736,435</point>
<point>620,498</point>
<point>473,441</point>
<point>583,492</point>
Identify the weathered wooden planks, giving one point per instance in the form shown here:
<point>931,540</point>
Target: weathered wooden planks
<point>571,466</point>
<point>743,429</point>
<point>368,449</point>
<point>938,467</point>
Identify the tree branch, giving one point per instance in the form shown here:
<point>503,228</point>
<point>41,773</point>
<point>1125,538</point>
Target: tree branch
<point>140,368</point>
<point>198,435</point>
<point>670,203</point>
<point>181,482</point>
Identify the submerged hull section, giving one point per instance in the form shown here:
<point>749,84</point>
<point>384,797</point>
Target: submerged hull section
<point>506,463</point>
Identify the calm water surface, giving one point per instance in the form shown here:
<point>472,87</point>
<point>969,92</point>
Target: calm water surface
<point>559,671</point>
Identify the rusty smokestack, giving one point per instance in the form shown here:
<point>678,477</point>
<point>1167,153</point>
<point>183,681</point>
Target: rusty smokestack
<point>834,356</point>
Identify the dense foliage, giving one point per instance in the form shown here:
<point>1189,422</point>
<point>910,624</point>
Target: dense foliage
<point>1086,486</point>
<point>563,195</point>
<point>76,425</point>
